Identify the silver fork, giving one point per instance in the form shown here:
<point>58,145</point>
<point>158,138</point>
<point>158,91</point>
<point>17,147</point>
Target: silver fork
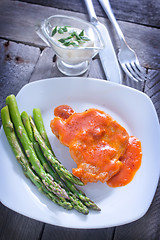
<point>126,56</point>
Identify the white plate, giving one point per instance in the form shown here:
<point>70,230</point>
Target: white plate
<point>131,108</point>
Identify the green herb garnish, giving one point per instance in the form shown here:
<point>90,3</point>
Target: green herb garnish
<point>67,43</point>
<point>74,44</point>
<point>74,34</point>
<point>65,28</point>
<point>60,30</point>
<point>81,33</point>
<point>62,40</point>
<point>54,31</point>
<point>74,39</point>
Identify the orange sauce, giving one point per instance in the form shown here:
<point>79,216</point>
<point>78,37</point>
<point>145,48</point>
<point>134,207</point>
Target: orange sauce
<point>99,145</point>
<point>63,111</point>
<point>131,161</point>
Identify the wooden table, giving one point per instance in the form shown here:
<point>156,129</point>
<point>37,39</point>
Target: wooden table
<point>25,58</point>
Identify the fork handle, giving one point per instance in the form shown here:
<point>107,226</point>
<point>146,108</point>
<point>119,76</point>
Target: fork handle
<point>91,11</point>
<point>107,8</point>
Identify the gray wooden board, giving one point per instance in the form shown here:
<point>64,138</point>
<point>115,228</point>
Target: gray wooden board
<point>15,226</point>
<point>59,233</point>
<point>152,89</point>
<point>130,11</point>
<point>17,62</point>
<point>16,58</point>
<point>96,70</point>
<point>46,66</point>
<point>18,20</point>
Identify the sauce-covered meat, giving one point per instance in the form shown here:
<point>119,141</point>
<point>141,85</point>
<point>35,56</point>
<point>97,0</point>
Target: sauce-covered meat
<point>95,140</point>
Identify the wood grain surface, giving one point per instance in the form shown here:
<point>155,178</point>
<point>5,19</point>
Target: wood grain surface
<point>16,226</point>
<point>17,16</point>
<point>79,234</point>
<point>25,58</point>
<point>17,62</point>
<point>143,12</point>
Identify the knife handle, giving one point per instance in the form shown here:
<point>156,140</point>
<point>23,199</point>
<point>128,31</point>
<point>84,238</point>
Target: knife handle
<point>107,8</point>
<point>91,11</point>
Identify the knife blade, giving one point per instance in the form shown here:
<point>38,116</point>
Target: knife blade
<point>107,54</point>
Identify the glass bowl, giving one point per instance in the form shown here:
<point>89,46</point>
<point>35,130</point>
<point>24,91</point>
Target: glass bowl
<point>71,60</point>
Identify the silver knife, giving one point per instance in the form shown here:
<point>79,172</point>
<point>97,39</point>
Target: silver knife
<point>107,55</point>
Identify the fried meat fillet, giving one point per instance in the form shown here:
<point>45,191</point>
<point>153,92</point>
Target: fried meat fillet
<point>95,140</point>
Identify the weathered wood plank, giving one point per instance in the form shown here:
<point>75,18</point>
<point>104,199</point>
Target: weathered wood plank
<point>15,226</point>
<point>146,228</point>
<point>144,40</point>
<point>60,233</point>
<point>46,66</point>
<point>136,85</point>
<point>152,89</point>
<point>143,12</point>
<point>96,70</point>
<point>17,62</point>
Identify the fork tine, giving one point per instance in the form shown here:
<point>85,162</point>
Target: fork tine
<point>128,72</point>
<point>143,73</point>
<point>132,72</point>
<point>139,71</point>
<point>139,67</point>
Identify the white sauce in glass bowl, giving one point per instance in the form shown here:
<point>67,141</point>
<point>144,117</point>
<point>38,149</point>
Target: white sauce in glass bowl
<point>72,44</point>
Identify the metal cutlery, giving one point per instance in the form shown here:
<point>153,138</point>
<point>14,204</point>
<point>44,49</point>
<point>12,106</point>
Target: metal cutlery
<point>126,56</point>
<point>107,55</point>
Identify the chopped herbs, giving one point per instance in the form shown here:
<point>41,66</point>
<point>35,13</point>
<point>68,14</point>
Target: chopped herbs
<point>60,30</point>
<point>74,34</point>
<point>81,33</point>
<point>74,39</point>
<point>63,40</point>
<point>54,31</point>
<point>65,28</point>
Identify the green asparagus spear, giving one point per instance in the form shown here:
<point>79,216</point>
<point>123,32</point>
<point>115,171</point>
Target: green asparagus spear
<point>72,188</point>
<point>21,158</point>
<point>28,128</point>
<point>40,126</point>
<point>76,203</point>
<point>48,181</point>
<point>81,195</point>
<point>60,169</point>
